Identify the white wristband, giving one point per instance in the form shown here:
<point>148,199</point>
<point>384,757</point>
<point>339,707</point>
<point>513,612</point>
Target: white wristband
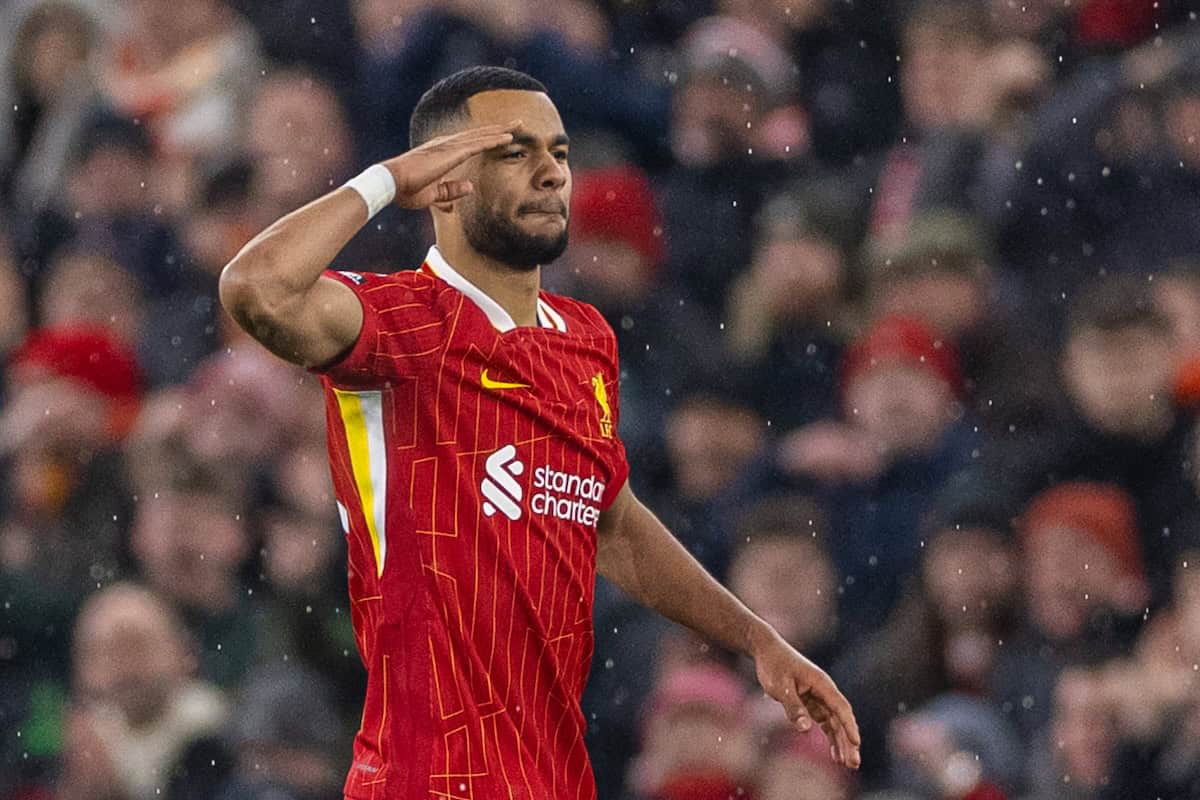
<point>376,186</point>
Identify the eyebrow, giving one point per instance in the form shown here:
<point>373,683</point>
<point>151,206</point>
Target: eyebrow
<point>526,140</point>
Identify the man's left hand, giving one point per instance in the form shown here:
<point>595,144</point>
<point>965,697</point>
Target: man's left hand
<point>807,694</point>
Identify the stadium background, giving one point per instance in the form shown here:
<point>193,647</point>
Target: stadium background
<point>908,297</point>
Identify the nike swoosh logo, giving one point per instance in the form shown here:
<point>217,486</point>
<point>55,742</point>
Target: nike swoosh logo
<point>488,383</point>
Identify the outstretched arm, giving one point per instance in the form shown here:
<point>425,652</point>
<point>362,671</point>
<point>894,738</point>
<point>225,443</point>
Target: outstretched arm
<point>274,288</point>
<point>638,554</point>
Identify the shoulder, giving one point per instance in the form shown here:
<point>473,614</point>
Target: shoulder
<point>581,318</point>
<point>405,294</point>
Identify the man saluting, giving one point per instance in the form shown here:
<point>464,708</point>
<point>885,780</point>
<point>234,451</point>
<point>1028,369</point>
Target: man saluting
<point>479,476</point>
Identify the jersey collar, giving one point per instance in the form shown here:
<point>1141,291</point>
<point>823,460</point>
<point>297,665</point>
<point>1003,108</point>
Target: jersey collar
<point>501,320</point>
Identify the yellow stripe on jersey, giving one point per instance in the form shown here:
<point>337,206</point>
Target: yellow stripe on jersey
<point>362,418</point>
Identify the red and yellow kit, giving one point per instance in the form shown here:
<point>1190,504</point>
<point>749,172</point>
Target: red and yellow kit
<point>471,459</point>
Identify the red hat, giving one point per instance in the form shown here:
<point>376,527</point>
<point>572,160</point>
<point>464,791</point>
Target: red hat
<point>904,340</point>
<point>92,356</point>
<point>617,203</point>
<point>1100,510</point>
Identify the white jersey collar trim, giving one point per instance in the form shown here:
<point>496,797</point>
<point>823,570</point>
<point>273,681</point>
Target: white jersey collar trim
<point>501,320</point>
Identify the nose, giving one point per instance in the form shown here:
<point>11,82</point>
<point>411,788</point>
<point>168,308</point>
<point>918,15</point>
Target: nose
<point>551,173</point>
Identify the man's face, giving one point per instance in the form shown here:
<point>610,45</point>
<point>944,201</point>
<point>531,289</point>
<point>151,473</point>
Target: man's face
<point>1120,380</point>
<point>128,654</point>
<point>299,139</point>
<point>518,212</point>
<point>950,303</point>
<point>968,575</point>
<point>1069,575</point>
<point>906,408</point>
<point>191,547</point>
<point>936,73</point>
<point>790,582</point>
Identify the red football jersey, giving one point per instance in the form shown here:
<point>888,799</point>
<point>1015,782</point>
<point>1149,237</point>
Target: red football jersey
<point>471,459</point>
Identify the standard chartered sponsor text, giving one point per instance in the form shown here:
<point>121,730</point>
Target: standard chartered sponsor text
<point>566,496</point>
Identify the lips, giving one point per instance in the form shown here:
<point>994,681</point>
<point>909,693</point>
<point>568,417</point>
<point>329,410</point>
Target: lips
<point>554,209</point>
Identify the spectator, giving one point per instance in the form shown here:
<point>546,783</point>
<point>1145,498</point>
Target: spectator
<point>958,748</point>
<point>184,70</point>
<point>1087,203</point>
<point>1122,426</point>
<point>780,309</point>
<point>286,734</point>
<point>140,725</point>
<point>299,139</point>
<point>88,289</point>
<point>727,163</point>
<point>201,575</point>
<point>73,394</point>
<point>782,570</point>
<point>1086,587</point>
<point>695,742</point>
<point>303,617</point>
<point>946,632</point>
<point>943,273</point>
<point>881,467</point>
<point>55,92</point>
<point>704,468</point>
<point>1077,756</point>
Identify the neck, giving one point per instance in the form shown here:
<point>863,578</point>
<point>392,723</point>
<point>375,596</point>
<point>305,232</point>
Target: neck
<point>515,290</point>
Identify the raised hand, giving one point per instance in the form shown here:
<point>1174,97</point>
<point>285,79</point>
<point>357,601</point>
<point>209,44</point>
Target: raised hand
<point>420,173</point>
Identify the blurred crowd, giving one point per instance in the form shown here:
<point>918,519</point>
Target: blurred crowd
<point>908,300</point>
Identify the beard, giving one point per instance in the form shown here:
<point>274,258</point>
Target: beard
<point>500,238</point>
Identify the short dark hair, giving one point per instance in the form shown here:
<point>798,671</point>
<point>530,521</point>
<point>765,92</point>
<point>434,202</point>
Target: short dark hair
<point>1117,303</point>
<point>447,99</point>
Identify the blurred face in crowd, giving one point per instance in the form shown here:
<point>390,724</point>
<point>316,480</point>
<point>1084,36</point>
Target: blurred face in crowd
<point>1070,576</point>
<point>1120,380</point>
<point>93,289</point>
<point>788,580</point>
<point>713,120</point>
<point>300,536</point>
<point>171,26</point>
<point>709,442</point>
<point>1084,729</point>
<point>799,275</point>
<point>936,69</point>
<point>612,275</point>
<point>949,302</point>
<point>696,739</point>
<point>518,213</point>
<point>299,141</point>
<point>130,653</point>
<point>110,182</point>
<point>191,546</point>
<point>1183,128</point>
<point>240,404</point>
<point>51,46</point>
<point>784,776</point>
<point>903,407</point>
<point>969,576</point>
<point>50,415</point>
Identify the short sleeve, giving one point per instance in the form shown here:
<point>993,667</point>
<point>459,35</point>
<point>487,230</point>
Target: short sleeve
<point>395,309</point>
<point>619,459</point>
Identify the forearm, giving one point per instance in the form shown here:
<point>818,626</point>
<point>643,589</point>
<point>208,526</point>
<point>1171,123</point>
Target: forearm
<point>644,559</point>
